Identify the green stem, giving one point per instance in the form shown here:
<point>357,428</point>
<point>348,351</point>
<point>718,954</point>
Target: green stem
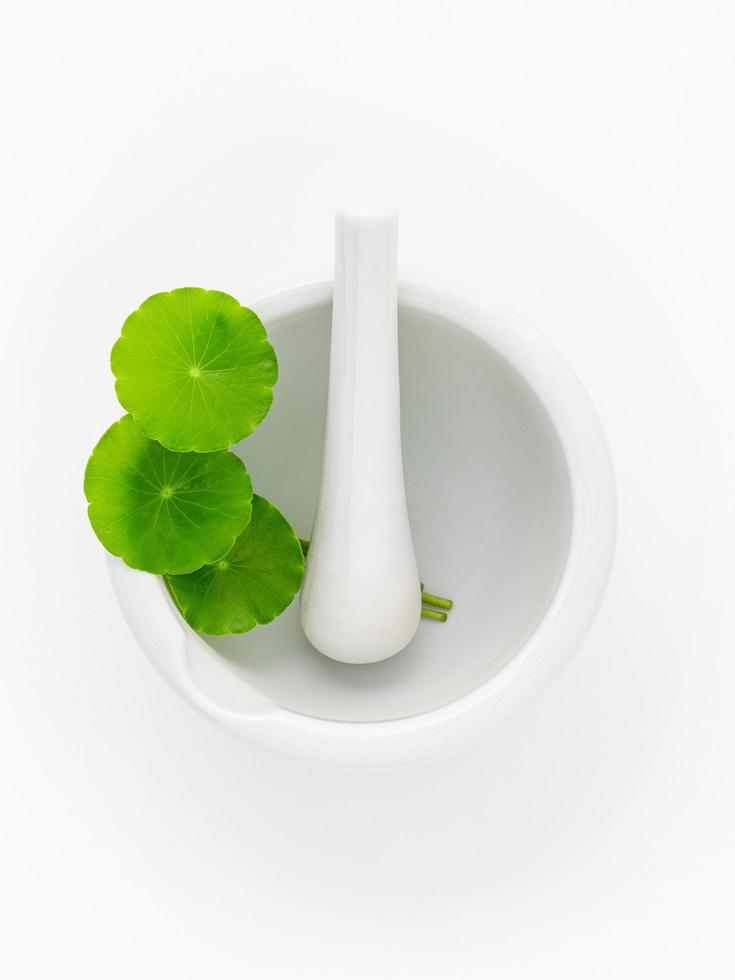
<point>436,600</point>
<point>441,617</point>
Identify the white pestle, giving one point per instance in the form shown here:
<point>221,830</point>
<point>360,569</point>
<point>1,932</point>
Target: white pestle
<point>361,598</point>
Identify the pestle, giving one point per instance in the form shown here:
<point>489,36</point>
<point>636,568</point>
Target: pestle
<point>361,597</point>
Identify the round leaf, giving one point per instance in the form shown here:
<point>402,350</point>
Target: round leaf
<point>161,511</point>
<point>194,369</point>
<point>251,585</point>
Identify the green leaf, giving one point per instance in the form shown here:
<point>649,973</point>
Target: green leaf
<point>194,369</point>
<point>251,585</point>
<point>161,511</point>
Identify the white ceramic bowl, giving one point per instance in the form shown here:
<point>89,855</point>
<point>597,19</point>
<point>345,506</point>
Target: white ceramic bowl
<point>512,500</point>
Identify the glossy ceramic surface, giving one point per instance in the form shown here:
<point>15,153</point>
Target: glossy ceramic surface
<point>512,501</point>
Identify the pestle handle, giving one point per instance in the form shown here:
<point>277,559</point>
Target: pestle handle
<point>361,599</point>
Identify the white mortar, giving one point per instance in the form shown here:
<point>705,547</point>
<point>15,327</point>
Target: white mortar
<point>512,501</point>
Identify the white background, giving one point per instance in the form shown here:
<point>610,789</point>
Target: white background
<point>574,161</point>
